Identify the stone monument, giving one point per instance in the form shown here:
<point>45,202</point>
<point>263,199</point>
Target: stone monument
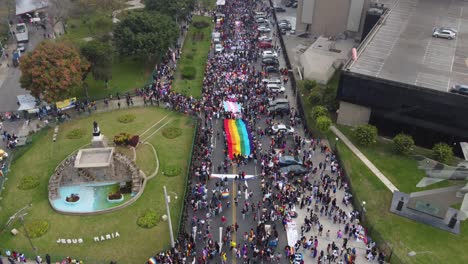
<point>433,207</point>
<point>98,140</point>
<point>95,165</point>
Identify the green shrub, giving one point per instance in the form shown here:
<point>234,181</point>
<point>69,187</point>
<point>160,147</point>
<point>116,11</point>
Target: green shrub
<point>366,135</point>
<point>318,111</point>
<point>329,98</point>
<point>149,219</point>
<point>121,139</point>
<point>37,228</point>
<point>323,123</point>
<point>28,182</point>
<point>189,72</point>
<point>75,134</point>
<point>442,152</point>
<point>309,85</point>
<point>172,132</point>
<point>201,24</point>
<point>403,143</point>
<point>128,118</point>
<point>171,171</point>
<point>315,97</point>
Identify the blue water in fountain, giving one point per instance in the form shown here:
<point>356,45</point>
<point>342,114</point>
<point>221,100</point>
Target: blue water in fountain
<point>93,197</point>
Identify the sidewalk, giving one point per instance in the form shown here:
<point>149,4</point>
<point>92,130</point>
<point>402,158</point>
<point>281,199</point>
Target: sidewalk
<point>364,159</point>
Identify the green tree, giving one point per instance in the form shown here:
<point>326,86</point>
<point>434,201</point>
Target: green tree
<point>323,123</point>
<point>99,54</point>
<point>52,70</point>
<point>173,8</point>
<point>318,111</point>
<point>309,85</point>
<point>315,97</point>
<point>366,135</point>
<point>329,98</point>
<point>442,152</point>
<point>403,143</point>
<point>145,34</point>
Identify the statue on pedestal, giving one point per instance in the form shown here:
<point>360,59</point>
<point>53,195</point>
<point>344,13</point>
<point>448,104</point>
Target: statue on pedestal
<point>96,130</point>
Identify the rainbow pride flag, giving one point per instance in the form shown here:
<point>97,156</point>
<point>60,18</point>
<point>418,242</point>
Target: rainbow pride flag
<point>239,138</point>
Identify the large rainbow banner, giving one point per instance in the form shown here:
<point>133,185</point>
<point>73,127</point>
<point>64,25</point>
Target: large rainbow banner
<point>239,138</point>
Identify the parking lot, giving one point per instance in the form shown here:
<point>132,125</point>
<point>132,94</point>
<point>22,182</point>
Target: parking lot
<point>404,50</point>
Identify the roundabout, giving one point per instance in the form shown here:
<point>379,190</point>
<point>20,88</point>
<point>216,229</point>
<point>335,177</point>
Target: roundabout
<point>42,160</point>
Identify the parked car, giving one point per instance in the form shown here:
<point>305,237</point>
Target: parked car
<point>460,89</point>
<point>265,38</point>
<point>277,88</point>
<point>269,54</point>
<point>219,48</point>
<point>294,5</point>
<point>260,20</point>
<point>279,9</point>
<point>444,33</point>
<point>264,29</point>
<point>284,26</point>
<point>265,45</point>
<point>279,101</point>
<point>273,130</point>
<point>270,61</point>
<point>289,4</point>
<point>21,47</point>
<point>271,69</point>
<point>293,170</point>
<point>278,109</point>
<point>285,161</point>
<point>292,31</point>
<point>273,81</point>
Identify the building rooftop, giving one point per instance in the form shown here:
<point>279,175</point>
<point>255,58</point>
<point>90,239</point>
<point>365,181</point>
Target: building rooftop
<point>402,48</point>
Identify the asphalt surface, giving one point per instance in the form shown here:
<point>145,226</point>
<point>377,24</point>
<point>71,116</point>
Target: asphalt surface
<point>9,76</point>
<point>233,214</point>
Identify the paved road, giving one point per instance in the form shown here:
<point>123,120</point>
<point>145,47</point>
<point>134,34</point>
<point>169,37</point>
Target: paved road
<point>233,214</point>
<point>9,76</point>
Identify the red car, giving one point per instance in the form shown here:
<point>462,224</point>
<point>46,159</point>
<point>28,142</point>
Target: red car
<point>265,45</point>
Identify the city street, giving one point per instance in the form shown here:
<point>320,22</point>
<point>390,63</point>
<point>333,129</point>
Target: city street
<point>205,224</point>
<point>9,76</point>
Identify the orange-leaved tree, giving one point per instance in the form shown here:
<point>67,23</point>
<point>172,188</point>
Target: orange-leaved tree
<point>53,70</point>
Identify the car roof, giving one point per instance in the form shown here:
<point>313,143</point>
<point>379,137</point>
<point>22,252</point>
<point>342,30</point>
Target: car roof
<point>288,158</point>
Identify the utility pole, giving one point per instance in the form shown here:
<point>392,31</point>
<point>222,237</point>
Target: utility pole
<point>169,216</point>
<point>21,217</point>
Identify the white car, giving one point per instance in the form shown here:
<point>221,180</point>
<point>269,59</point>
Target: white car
<point>264,29</point>
<point>265,38</point>
<point>274,81</point>
<point>444,33</point>
<point>281,128</point>
<point>277,88</point>
<point>269,54</point>
<point>219,48</point>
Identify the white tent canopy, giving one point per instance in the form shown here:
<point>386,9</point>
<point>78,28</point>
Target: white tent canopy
<point>27,6</point>
<point>220,2</point>
<point>26,101</point>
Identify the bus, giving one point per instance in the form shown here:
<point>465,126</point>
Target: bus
<point>22,34</point>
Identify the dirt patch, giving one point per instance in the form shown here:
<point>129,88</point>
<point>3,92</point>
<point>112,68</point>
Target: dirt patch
<point>198,36</point>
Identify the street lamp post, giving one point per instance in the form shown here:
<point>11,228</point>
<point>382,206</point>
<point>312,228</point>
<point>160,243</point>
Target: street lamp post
<point>166,200</point>
<point>21,217</point>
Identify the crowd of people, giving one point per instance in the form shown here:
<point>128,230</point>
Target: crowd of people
<point>233,74</point>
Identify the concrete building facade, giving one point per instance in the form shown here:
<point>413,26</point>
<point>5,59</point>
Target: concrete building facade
<point>331,17</point>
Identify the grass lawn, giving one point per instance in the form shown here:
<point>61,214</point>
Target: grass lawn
<point>402,234</point>
<point>91,25</point>
<point>194,54</point>
<point>135,244</point>
<point>127,74</point>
